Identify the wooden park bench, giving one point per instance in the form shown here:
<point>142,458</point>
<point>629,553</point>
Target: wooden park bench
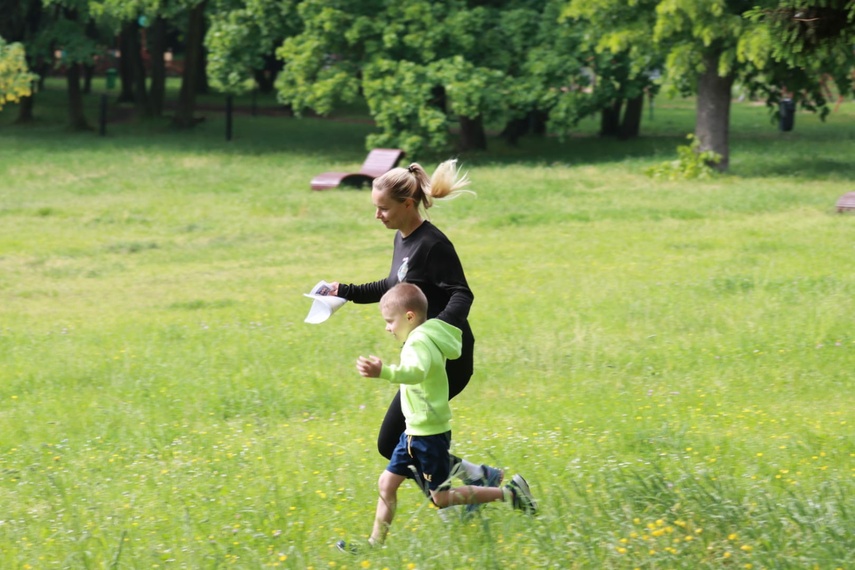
<point>379,161</point>
<point>846,202</point>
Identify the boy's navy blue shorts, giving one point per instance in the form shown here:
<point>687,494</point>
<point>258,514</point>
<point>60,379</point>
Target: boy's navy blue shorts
<point>429,454</point>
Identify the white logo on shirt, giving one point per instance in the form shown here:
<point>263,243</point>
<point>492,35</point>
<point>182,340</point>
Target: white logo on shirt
<point>402,270</point>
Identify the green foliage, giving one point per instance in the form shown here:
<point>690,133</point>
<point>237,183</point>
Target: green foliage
<point>15,78</point>
<point>240,35</point>
<point>114,13</point>
<point>690,30</point>
<point>618,27</point>
<point>318,71</point>
<point>67,30</point>
<point>808,45</point>
<point>556,74</point>
<point>691,163</point>
<point>806,32</point>
<point>489,62</point>
<point>618,49</point>
<point>473,91</point>
<point>398,96</point>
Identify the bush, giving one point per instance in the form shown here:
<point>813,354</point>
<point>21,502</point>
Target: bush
<point>691,163</point>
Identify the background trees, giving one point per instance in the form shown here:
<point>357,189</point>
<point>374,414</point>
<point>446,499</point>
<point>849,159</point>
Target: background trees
<point>21,22</point>
<point>76,35</point>
<point>705,48</point>
<point>805,40</point>
<point>434,74</point>
<point>623,58</point>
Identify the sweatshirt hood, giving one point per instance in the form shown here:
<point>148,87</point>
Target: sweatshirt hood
<point>447,338</point>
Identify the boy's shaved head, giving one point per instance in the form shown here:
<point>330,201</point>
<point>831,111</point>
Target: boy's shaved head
<point>406,297</point>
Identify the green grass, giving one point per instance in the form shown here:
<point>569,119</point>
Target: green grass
<point>668,363</point>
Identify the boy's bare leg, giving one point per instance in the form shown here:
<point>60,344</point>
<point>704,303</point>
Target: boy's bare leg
<point>516,493</point>
<point>386,504</point>
<point>467,495</point>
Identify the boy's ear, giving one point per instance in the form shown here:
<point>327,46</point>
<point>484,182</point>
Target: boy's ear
<point>410,315</point>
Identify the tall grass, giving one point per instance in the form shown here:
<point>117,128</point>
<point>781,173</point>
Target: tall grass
<point>668,363</point>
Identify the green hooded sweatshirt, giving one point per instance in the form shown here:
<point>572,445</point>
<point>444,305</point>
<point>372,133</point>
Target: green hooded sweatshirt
<point>421,374</point>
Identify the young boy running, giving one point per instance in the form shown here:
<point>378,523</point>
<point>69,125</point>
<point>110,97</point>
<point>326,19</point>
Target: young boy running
<point>424,446</point>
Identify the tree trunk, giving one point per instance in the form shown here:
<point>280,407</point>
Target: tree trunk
<point>263,80</point>
<point>76,116</point>
<point>89,67</point>
<point>25,110</point>
<point>127,46</point>
<point>139,74</point>
<point>202,85</point>
<point>538,121</point>
<point>712,124</point>
<point>472,135</point>
<point>266,78</point>
<point>41,67</point>
<point>631,124</point>
<point>514,129</point>
<point>88,72</point>
<point>186,106</point>
<point>610,119</point>
<point>157,90</point>
<point>438,98</point>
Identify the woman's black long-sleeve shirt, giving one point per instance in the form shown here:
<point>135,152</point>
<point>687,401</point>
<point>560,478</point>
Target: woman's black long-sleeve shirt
<point>425,258</point>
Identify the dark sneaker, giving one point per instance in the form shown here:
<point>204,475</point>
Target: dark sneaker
<point>347,547</point>
<point>492,478</point>
<point>523,499</point>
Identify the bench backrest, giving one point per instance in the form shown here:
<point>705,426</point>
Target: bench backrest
<point>380,161</point>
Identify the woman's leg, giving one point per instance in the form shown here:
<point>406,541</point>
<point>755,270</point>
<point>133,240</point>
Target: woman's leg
<point>459,372</point>
<point>392,427</point>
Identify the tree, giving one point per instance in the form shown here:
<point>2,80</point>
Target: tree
<point>191,74</point>
<point>66,30</point>
<point>420,65</point>
<point>157,51</point>
<point>142,28</point>
<point>15,78</point>
<point>623,59</point>
<point>22,22</point>
<point>811,38</point>
<point>80,30</point>
<point>242,39</point>
<point>800,32</point>
<point>702,44</point>
<point>551,81</point>
<point>707,47</point>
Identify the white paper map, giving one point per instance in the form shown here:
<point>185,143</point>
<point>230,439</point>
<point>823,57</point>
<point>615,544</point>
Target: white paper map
<point>323,304</point>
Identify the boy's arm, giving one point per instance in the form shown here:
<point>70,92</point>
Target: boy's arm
<point>414,366</point>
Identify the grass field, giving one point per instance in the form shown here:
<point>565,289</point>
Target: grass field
<point>668,363</point>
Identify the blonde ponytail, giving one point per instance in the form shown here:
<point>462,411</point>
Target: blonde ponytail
<point>413,182</point>
<point>446,183</point>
